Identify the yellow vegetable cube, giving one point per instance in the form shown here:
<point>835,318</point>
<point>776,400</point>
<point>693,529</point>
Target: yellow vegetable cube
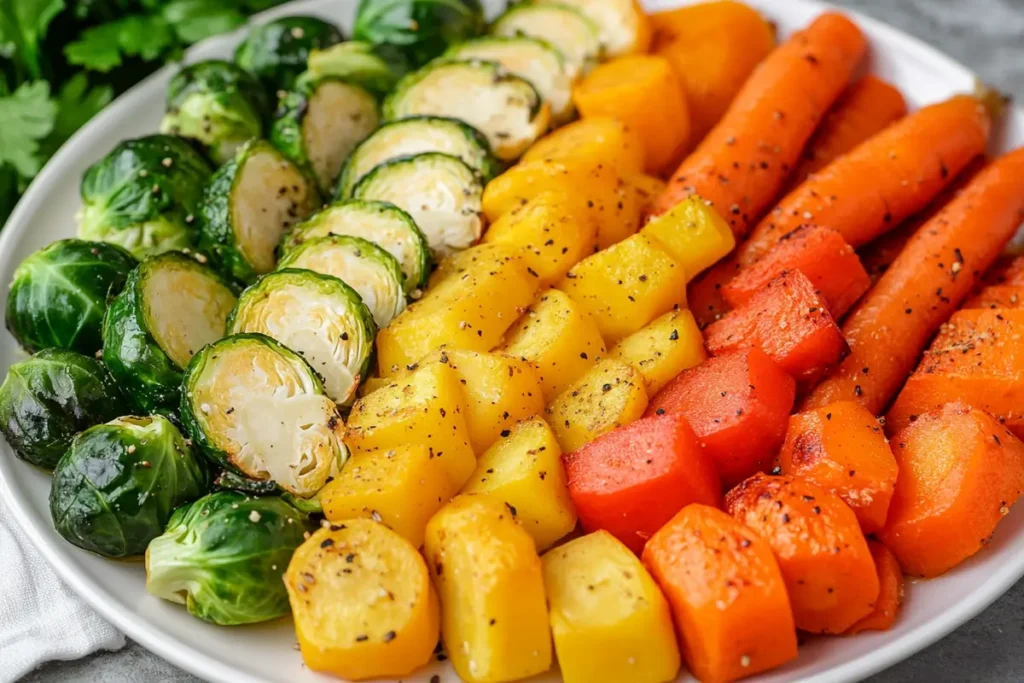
<point>479,258</point>
<point>335,583</point>
<point>551,234</point>
<point>662,349</point>
<point>558,338</point>
<point>423,407</point>
<point>693,233</point>
<point>645,187</point>
<point>494,621</point>
<point>626,286</point>
<point>598,139</point>
<point>524,469</point>
<point>609,395</point>
<point>608,617</point>
<point>404,486</point>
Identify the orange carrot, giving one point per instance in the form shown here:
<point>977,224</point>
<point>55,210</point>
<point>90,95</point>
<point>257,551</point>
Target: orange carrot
<point>1008,270</point>
<point>996,297</point>
<point>865,108</point>
<point>938,268</point>
<point>890,591</point>
<point>742,163</point>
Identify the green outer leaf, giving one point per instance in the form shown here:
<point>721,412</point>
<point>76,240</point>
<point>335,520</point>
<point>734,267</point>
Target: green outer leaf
<point>276,52</point>
<point>27,117</point>
<point>218,75</point>
<point>48,398</point>
<point>354,62</point>
<point>228,553</point>
<point>116,487</point>
<point>419,30</point>
<point>59,294</point>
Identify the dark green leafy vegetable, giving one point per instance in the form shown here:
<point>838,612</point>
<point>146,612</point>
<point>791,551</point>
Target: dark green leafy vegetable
<point>116,487</point>
<point>223,557</point>
<point>418,30</point>
<point>277,52</point>
<point>356,62</point>
<point>48,398</point>
<point>59,294</point>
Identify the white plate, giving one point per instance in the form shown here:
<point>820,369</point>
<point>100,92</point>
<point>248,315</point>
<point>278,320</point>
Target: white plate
<point>265,654</point>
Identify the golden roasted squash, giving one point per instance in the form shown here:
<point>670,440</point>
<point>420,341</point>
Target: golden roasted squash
<point>609,395</point>
<point>599,139</point>
<point>693,233</point>
<point>662,349</point>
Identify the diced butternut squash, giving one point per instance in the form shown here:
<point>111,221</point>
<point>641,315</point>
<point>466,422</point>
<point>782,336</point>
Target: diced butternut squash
<point>551,234</point>
<point>335,581</point>
<point>644,92</point>
<point>424,407</point>
<point>959,473</point>
<point>825,561</point>
<point>609,620</point>
<point>662,349</point>
<point>402,487</point>
<point>645,187</point>
<point>494,620</point>
<point>841,447</point>
<point>609,395</point>
<point>597,139</point>
<point>693,233</point>
<point>727,594</point>
<point>559,338</point>
<point>478,258</point>
<point>632,480</point>
<point>626,286</point>
<point>524,469</point>
<point>471,311</point>
<point>890,592</point>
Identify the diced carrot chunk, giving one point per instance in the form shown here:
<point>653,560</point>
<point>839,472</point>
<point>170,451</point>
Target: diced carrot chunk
<point>890,591</point>
<point>997,296</point>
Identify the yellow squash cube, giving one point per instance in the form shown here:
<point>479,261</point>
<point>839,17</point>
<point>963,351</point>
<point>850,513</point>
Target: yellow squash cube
<point>609,395</point>
<point>423,407</point>
<point>693,233</point>
<point>494,621</point>
<point>558,338</point>
<point>626,286</point>
<point>599,139</point>
<point>524,469</point>
<point>662,349</point>
<point>645,187</point>
<point>479,258</point>
<point>363,603</point>
<point>402,487</point>
<point>609,619</point>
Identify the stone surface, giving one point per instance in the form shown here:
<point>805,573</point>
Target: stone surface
<point>986,35</point>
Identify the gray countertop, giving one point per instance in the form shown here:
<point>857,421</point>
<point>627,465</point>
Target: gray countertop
<point>986,35</point>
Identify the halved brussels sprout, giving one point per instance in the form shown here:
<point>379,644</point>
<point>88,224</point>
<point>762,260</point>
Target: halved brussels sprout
<point>384,224</point>
<point>408,137</point>
<point>170,308</point>
<point>59,293</point>
<point>362,265</point>
<point>223,556</point>
<point>355,62</point>
<point>621,25</point>
<point>501,105</point>
<point>226,480</point>
<point>258,408</point>
<point>439,191</point>
<point>276,52</point>
<point>216,103</point>
<point>533,59</point>
<point>144,195</point>
<point>317,316</point>
<point>320,123</point>
<point>116,487</point>
<point>563,26</point>
<point>48,398</point>
<point>418,30</point>
<point>250,202</point>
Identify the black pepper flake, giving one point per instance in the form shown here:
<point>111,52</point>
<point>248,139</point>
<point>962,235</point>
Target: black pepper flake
<point>511,509</point>
<point>327,543</point>
<point>362,637</point>
<point>745,543</point>
<point>828,416</point>
<point>606,388</point>
<point>858,391</point>
<point>583,355</point>
<point>785,518</point>
<point>659,411</point>
<point>674,336</point>
<point>506,432</point>
<point>350,558</point>
<point>389,636</point>
<point>817,509</point>
<point>996,439</point>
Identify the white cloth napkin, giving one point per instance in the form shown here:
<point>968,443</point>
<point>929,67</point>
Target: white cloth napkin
<point>40,618</point>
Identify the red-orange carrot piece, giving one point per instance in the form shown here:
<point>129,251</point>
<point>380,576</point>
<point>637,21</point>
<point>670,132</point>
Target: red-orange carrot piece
<point>819,253</point>
<point>727,595</point>
<point>890,591</point>
<point>940,265</point>
<point>824,558</point>
<point>997,297</point>
<point>865,108</point>
<point>741,165</point>
<point>1007,270</point>
<point>787,320</point>
<point>960,471</point>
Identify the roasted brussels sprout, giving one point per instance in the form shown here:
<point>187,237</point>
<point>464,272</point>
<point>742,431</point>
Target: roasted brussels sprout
<point>565,27</point>
<point>223,557</point>
<point>257,408</point>
<point>116,487</point>
<point>170,308</point>
<point>48,398</point>
<point>277,51</point>
<point>250,202</point>
<point>320,123</point>
<point>144,195</point>
<point>354,62</point>
<point>418,30</point>
<point>226,480</point>
<point>317,316</point>
<point>60,292</point>
<point>217,103</point>
<point>362,265</point>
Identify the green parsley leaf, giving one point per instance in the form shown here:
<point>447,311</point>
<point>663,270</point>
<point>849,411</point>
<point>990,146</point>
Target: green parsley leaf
<point>23,24</point>
<point>76,104</point>
<point>104,47</point>
<point>194,20</point>
<point>28,115</point>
